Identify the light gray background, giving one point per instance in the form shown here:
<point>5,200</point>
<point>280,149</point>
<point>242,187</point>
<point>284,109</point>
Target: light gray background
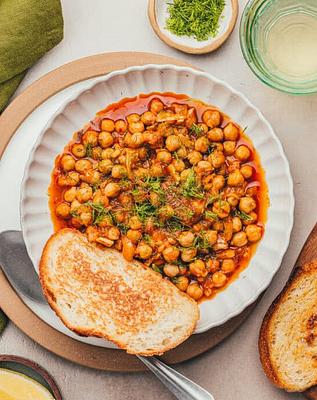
<point>231,371</point>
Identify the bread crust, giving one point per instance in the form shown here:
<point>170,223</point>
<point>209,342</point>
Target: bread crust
<point>94,333</point>
<point>264,335</point>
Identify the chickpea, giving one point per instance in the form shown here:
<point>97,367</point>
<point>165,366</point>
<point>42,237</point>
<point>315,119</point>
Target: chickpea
<point>107,154</point>
<point>211,118</point>
<point>170,253</point>
<point>204,167</point>
<point>229,147</point>
<point>254,233</point>
<point>136,127</point>
<point>135,223</point>
<point>71,179</point>
<point>120,126</point>
<point>128,248</point>
<point>252,218</point>
<point>104,241</point>
<point>134,235</point>
<point>235,178</point>
<point>171,270</point>
<point>182,283</point>
<point>221,208</point>
<point>78,150</point>
<point>217,158</point>
<point>242,153</point>
<point>215,135</point>
<point>233,199</point>
<point>173,143</point>
<point>156,105</point>
<point>211,236</point>
<point>134,117</point>
<point>98,197</point>
<point>74,205</point>
<point>197,268</point>
<point>188,254</point>
<point>96,153</point>
<point>213,265</point>
<point>90,137</point>
<point>90,176</point>
<point>198,206</point>
<point>155,170</point>
<point>219,279</point>
<point>202,144</point>
<point>67,162</point>
<point>228,265</point>
<point>194,157</point>
<point>236,224</point>
<point>155,199</point>
<point>191,117</point>
<point>125,199</point>
<point>179,165</point>
<point>148,118</point>
<point>119,171</point>
<point>182,152</point>
<point>84,194</point>
<point>239,239</point>
<point>231,132</point>
<point>144,251</point>
<point>70,194</point>
<point>112,190</point>
<point>83,165</point>
<point>63,210</point>
<point>86,218</point>
<point>194,291</point>
<point>105,139</point>
<point>107,125</point>
<point>218,182</point>
<point>247,204</point>
<point>166,212</point>
<point>105,166</point>
<point>246,171</point>
<point>186,239</point>
<point>164,157</point>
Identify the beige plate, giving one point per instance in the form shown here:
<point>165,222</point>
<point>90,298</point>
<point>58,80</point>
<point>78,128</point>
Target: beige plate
<point>157,11</point>
<point>10,302</point>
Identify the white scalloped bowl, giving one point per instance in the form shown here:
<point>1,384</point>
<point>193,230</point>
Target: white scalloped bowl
<point>76,112</point>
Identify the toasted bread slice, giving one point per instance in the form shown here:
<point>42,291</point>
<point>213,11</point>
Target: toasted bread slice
<point>96,292</point>
<point>288,336</point>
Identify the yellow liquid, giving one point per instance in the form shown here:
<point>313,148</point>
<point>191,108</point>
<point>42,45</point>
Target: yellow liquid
<point>16,386</point>
<point>292,45</point>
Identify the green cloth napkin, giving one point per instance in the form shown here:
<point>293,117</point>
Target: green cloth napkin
<point>3,321</point>
<point>28,30</point>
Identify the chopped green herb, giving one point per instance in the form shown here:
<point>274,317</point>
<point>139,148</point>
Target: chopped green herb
<point>211,215</point>
<point>156,268</point>
<point>201,242</point>
<point>74,214</point>
<point>212,147</point>
<point>153,184</point>
<point>191,188</point>
<point>144,210</point>
<point>195,18</point>
<point>175,224</point>
<point>196,130</point>
<point>122,227</point>
<point>147,238</point>
<point>212,199</point>
<point>95,186</point>
<point>99,212</point>
<point>242,215</point>
<point>89,148</point>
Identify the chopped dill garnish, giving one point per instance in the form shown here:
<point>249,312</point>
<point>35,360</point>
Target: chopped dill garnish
<point>147,238</point>
<point>191,188</point>
<point>212,199</point>
<point>99,212</point>
<point>153,184</point>
<point>242,215</point>
<point>95,186</point>
<point>89,148</point>
<point>175,224</point>
<point>144,210</point>
<point>74,214</point>
<point>195,18</point>
<point>196,130</point>
<point>211,215</point>
<point>212,147</point>
<point>156,268</point>
<point>122,227</point>
<point>201,242</point>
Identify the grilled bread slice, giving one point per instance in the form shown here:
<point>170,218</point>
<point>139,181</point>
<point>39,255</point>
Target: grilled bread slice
<point>96,292</point>
<point>288,336</point>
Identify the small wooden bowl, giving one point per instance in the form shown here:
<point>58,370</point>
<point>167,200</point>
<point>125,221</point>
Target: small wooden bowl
<point>157,12</point>
<point>31,370</point>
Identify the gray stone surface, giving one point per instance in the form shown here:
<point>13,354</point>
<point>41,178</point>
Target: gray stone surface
<point>231,371</point>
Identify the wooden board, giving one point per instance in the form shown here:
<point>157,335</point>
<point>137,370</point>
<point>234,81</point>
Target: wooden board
<point>60,344</point>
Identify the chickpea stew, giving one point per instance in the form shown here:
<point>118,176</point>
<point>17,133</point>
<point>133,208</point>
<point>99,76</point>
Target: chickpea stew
<point>169,181</point>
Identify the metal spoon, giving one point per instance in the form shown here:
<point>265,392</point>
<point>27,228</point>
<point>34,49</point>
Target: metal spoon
<point>20,272</point>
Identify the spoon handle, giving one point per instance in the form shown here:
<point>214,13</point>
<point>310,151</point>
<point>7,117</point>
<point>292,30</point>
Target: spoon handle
<point>182,387</point>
